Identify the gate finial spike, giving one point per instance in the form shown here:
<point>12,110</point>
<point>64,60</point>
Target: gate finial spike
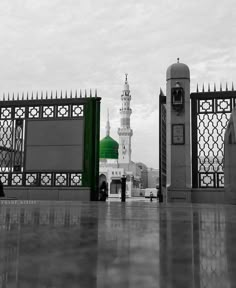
<point>76,95</point>
<point>17,98</point>
<point>80,94</point>
<point>46,94</point>
<point>66,94</point>
<point>56,94</point>
<point>197,88</point>
<point>220,86</point>
<point>214,87</point>
<point>37,95</point>
<point>209,88</point>
<point>3,98</point>
<point>203,87</point>
<point>70,93</point>
<point>90,93</point>
<point>32,96</point>
<point>232,86</point>
<point>8,96</point>
<point>22,96</point>
<point>85,93</point>
<point>226,87</point>
<point>96,93</point>
<point>13,97</point>
<point>51,95</point>
<point>61,94</point>
<point>41,94</point>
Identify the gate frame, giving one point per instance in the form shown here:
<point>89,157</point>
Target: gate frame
<point>162,101</point>
<point>195,98</point>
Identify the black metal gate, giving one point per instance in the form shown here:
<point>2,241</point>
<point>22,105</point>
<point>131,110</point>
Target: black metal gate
<point>16,114</point>
<point>162,141</point>
<point>210,115</point>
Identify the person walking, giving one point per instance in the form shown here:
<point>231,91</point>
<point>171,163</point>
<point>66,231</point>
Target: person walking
<point>103,192</point>
<point>2,194</point>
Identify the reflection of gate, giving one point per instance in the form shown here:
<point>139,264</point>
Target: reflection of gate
<point>162,141</point>
<point>210,115</point>
<point>50,142</point>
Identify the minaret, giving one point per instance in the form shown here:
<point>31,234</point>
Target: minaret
<point>108,127</point>
<point>125,132</point>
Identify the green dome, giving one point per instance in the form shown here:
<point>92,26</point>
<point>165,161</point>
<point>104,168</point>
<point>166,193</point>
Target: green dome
<point>109,148</point>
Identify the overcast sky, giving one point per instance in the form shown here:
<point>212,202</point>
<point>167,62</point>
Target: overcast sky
<point>74,44</point>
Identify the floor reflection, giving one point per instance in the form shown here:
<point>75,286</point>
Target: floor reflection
<point>213,255</point>
<point>100,245</point>
<point>47,247</point>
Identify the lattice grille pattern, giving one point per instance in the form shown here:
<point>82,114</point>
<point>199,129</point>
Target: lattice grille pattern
<point>77,110</point>
<point>31,179</point>
<point>18,147</point>
<point>20,112</point>
<point>46,179</point>
<point>212,120</point>
<point>42,179</point>
<point>6,144</point>
<point>61,179</point>
<point>63,111</point>
<point>4,178</point>
<point>76,179</point>
<point>16,179</point>
<point>42,111</point>
<point>34,112</point>
<point>48,111</point>
<point>211,128</point>
<point>6,113</point>
<point>213,254</point>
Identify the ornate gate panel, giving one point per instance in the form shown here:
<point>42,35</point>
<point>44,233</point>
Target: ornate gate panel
<point>50,142</point>
<point>210,115</point>
<point>162,141</point>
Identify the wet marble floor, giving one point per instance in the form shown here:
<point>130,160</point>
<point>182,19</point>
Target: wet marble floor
<point>113,244</point>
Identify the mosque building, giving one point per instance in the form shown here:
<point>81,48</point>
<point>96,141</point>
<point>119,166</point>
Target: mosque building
<point>115,158</point>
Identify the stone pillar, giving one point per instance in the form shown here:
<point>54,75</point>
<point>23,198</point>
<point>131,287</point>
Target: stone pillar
<point>109,186</point>
<point>179,182</point>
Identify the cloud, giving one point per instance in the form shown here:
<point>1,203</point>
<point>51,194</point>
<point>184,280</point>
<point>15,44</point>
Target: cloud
<point>91,44</point>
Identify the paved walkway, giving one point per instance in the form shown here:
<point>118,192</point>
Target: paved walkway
<point>112,244</point>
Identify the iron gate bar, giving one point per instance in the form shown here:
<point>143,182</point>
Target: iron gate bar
<point>194,144</point>
<point>162,102</point>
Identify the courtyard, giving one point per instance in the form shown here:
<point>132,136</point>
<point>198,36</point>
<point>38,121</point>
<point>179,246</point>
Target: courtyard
<point>114,244</point>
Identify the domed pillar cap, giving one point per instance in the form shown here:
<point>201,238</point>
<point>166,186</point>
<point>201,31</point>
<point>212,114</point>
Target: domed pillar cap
<point>178,71</point>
